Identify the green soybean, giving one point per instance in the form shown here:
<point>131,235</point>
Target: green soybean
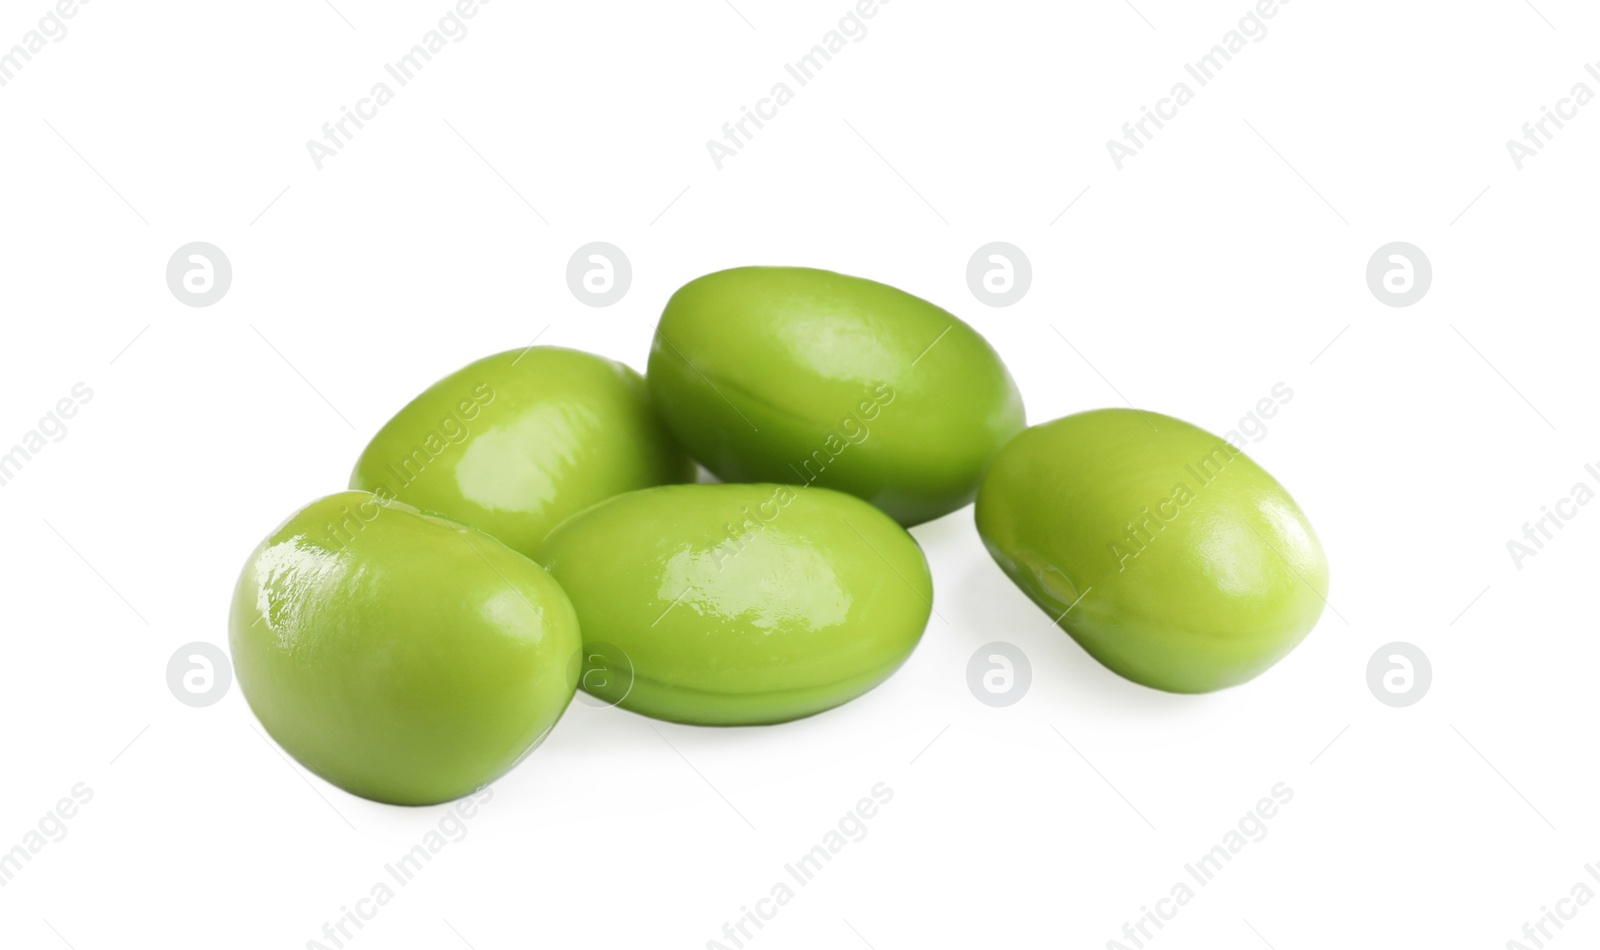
<point>516,442</point>
<point>401,656</point>
<point>739,604</point>
<point>1166,552</point>
<point>802,376</point>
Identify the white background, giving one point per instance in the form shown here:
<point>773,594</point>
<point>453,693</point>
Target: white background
<point>1189,282</point>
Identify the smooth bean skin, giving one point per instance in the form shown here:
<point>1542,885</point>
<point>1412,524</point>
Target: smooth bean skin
<point>739,604</point>
<point>516,442</point>
<point>803,376</point>
<point>1196,570</point>
<point>401,656</point>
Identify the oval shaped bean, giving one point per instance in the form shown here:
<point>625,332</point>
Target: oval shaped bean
<point>802,376</point>
<point>1168,554</point>
<point>739,604</point>
<point>403,657</point>
<point>516,442</point>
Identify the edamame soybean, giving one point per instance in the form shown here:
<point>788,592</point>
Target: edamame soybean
<point>401,656</point>
<point>516,442</point>
<point>789,374</point>
<point>1168,554</point>
<point>740,604</point>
